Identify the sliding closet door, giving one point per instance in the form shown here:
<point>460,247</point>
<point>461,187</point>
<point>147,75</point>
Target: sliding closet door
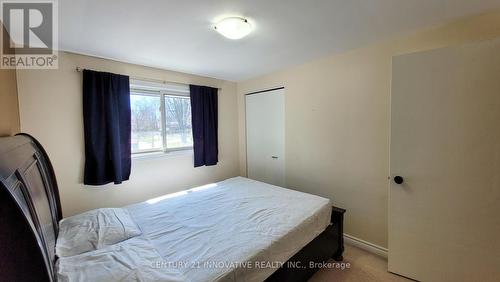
<point>266,136</point>
<point>444,218</point>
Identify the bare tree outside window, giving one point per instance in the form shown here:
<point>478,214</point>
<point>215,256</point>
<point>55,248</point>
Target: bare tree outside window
<point>178,122</point>
<point>146,122</point>
<point>148,125</point>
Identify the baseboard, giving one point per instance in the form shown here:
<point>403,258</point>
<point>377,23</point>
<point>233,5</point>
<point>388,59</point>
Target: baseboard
<point>367,246</point>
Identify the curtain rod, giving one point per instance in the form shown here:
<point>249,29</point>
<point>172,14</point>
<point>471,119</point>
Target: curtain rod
<point>80,69</point>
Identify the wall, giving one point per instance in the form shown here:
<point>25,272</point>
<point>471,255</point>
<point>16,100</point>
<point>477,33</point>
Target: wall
<point>338,118</point>
<point>9,109</point>
<point>51,110</point>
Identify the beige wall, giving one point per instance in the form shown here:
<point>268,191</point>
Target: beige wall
<point>9,109</point>
<point>337,121</point>
<point>51,110</point>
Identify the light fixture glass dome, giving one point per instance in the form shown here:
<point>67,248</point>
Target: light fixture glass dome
<point>234,27</point>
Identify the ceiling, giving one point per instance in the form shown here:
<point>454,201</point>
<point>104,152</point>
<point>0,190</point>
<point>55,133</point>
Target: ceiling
<point>177,34</point>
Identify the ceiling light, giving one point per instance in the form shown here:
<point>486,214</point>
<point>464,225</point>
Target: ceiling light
<point>234,27</point>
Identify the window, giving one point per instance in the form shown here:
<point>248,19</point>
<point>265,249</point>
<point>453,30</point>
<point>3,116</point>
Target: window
<point>178,122</point>
<point>161,118</point>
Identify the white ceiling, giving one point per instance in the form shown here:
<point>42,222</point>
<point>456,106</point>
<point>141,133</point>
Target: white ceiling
<point>178,35</point>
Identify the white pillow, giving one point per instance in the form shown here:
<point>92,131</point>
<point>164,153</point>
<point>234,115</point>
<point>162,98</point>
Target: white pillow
<point>94,230</point>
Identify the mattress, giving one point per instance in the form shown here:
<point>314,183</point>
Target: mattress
<point>234,230</point>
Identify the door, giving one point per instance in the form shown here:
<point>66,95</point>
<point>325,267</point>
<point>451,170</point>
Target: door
<point>265,121</point>
<point>444,218</point>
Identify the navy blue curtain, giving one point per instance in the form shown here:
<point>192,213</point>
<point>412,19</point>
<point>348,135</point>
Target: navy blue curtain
<point>106,117</point>
<point>204,122</point>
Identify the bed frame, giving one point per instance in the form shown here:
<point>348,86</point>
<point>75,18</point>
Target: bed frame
<point>30,210</point>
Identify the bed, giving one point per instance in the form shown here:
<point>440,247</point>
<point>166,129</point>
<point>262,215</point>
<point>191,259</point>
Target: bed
<point>234,230</point>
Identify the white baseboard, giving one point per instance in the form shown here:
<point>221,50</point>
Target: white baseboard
<point>364,245</point>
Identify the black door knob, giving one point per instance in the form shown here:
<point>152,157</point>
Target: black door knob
<point>398,179</point>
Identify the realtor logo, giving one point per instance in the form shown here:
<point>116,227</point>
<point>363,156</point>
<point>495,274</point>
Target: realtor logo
<point>29,39</point>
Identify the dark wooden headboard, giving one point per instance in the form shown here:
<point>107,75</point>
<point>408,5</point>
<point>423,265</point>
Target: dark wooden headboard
<point>30,210</point>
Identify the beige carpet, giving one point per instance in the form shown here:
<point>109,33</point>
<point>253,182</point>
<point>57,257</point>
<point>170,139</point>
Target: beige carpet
<point>364,266</point>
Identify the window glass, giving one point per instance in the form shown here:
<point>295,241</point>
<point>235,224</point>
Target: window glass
<point>146,123</point>
<point>178,122</point>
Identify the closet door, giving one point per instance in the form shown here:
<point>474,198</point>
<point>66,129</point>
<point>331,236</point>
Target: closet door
<point>265,132</point>
<point>444,208</point>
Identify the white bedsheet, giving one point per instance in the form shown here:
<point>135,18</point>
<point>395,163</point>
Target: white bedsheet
<point>127,261</point>
<point>225,231</point>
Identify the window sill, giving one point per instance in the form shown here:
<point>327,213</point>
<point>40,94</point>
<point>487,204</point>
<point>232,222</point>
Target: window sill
<point>156,155</point>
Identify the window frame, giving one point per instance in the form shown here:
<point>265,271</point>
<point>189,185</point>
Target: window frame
<point>161,93</point>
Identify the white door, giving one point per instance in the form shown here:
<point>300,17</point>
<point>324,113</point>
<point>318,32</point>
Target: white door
<point>265,122</point>
<point>444,219</point>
